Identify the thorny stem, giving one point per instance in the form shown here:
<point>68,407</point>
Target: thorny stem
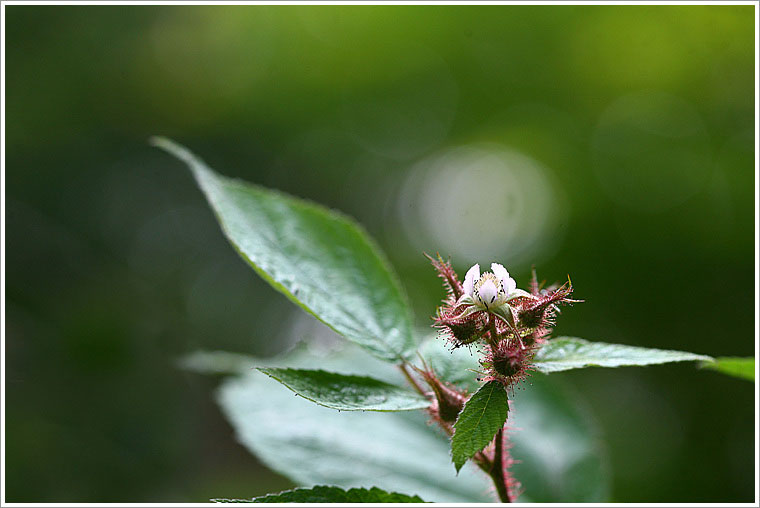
<point>493,468</point>
<point>497,469</point>
<point>492,328</point>
<point>412,381</point>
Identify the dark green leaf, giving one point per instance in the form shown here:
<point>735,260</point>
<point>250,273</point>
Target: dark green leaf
<point>565,353</point>
<point>327,494</point>
<point>733,366</point>
<point>482,416</point>
<point>347,393</point>
<point>320,259</point>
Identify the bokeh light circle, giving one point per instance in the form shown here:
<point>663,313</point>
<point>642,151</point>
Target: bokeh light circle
<point>479,203</point>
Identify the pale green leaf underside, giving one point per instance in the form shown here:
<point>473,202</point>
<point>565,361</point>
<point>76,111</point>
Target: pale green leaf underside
<point>457,366</point>
<point>320,259</point>
<point>347,392</point>
<point>565,353</point>
<point>329,494</point>
<point>314,445</point>
<point>561,460</point>
<point>733,366</point>
<point>482,416</point>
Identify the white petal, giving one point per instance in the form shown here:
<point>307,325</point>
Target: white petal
<point>510,286</point>
<point>472,276</point>
<point>501,273</point>
<point>487,293</point>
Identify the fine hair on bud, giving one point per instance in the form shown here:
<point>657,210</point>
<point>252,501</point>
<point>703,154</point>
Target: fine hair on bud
<point>508,363</point>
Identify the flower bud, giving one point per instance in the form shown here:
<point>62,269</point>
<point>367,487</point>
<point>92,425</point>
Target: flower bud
<point>533,316</point>
<point>508,362</point>
<point>539,311</point>
<point>460,324</point>
<point>464,333</point>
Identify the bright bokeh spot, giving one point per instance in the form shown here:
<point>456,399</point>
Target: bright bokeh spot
<point>480,202</point>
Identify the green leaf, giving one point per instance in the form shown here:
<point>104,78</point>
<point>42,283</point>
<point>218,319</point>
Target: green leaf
<point>320,259</point>
<point>565,353</point>
<point>733,366</point>
<point>347,393</point>
<point>483,415</point>
<point>328,494</point>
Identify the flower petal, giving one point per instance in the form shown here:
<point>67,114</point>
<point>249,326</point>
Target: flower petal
<point>487,293</point>
<point>510,286</point>
<point>473,274</point>
<point>501,273</point>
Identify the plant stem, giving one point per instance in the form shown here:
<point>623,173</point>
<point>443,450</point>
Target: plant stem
<point>497,469</point>
<point>412,381</point>
<point>493,468</point>
<point>492,340</point>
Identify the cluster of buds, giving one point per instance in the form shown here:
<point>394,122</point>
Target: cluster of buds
<point>507,325</point>
<point>488,311</point>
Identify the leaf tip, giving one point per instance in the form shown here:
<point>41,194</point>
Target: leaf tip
<point>156,140</point>
<point>172,148</point>
<point>165,144</point>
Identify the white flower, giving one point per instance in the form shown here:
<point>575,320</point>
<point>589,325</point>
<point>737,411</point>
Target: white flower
<point>472,275</point>
<point>492,289</point>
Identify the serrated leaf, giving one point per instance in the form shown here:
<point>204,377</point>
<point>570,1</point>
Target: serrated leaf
<point>347,392</point>
<point>320,259</point>
<point>565,353</point>
<point>733,366</point>
<point>483,415</point>
<point>329,494</point>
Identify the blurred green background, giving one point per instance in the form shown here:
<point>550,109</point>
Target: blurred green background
<point>611,143</point>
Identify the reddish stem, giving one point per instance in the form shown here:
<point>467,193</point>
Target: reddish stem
<point>493,467</point>
<point>498,471</point>
<point>412,381</point>
<point>493,340</point>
